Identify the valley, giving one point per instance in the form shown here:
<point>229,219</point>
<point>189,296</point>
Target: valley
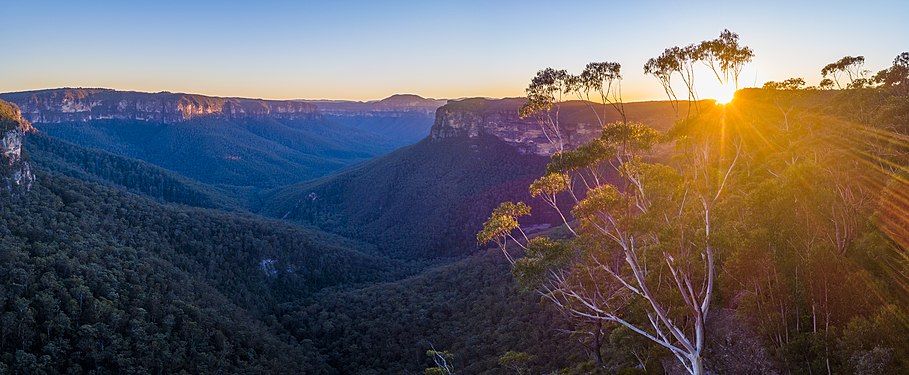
<point>725,216</point>
<point>229,142</point>
<point>379,253</point>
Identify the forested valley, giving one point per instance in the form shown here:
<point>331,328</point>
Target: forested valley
<point>765,235</point>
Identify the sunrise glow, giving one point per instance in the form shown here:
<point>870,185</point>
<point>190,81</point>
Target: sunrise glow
<point>723,94</point>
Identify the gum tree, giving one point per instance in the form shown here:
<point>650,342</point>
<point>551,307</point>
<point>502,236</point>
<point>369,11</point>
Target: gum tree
<point>639,251</point>
<point>849,66</point>
<point>724,56</point>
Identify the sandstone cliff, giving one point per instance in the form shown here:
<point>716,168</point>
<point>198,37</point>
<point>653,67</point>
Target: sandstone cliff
<point>80,105</point>
<point>15,172</point>
<point>472,118</point>
<point>499,118</point>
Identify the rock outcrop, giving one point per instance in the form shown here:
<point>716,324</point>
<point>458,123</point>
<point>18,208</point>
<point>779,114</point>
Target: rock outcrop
<point>81,105</point>
<point>499,118</point>
<point>472,118</point>
<point>15,172</point>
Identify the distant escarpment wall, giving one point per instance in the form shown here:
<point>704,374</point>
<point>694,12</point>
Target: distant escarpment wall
<point>473,118</point>
<point>80,105</point>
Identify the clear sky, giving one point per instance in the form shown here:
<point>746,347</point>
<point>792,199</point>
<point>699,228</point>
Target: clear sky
<point>444,49</point>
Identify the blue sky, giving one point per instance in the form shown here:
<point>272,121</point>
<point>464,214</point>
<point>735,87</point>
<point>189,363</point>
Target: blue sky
<point>372,49</point>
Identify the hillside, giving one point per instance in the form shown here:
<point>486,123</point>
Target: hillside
<point>194,282</point>
<point>214,291</point>
<point>427,199</point>
<point>55,155</point>
<point>83,105</point>
<point>398,103</point>
<point>100,279</point>
<point>469,308</point>
<point>431,198</point>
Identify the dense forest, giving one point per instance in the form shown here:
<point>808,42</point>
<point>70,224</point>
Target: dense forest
<point>55,155</point>
<point>99,279</point>
<point>424,200</point>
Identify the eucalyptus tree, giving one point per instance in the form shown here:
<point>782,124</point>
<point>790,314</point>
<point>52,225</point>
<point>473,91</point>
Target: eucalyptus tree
<point>725,56</point>
<point>675,60</point>
<point>639,251</point>
<point>851,67</point>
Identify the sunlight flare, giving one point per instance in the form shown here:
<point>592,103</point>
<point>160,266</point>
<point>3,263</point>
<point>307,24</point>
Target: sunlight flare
<point>724,94</point>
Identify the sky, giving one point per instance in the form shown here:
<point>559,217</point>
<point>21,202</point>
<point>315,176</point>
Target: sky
<point>363,50</point>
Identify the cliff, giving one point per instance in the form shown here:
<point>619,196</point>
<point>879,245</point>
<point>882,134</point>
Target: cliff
<point>499,118</point>
<point>15,172</point>
<point>80,105</point>
<point>391,106</point>
<point>472,118</point>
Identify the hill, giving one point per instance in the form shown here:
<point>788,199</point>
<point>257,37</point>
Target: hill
<point>55,155</point>
<point>413,201</point>
<point>431,198</point>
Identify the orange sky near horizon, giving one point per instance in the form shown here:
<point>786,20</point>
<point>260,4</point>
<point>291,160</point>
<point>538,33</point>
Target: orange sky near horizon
<point>359,50</point>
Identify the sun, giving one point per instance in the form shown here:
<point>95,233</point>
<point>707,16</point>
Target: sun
<point>724,94</point>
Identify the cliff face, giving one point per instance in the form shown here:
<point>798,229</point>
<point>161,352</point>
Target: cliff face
<point>472,118</point>
<point>80,105</point>
<point>15,172</point>
<point>395,105</point>
<point>499,118</point>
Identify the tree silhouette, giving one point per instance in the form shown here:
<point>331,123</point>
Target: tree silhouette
<point>851,67</point>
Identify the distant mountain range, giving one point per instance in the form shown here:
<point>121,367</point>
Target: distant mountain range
<point>394,103</point>
<point>228,141</point>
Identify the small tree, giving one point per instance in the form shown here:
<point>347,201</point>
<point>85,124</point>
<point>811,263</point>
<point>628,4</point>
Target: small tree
<point>675,60</point>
